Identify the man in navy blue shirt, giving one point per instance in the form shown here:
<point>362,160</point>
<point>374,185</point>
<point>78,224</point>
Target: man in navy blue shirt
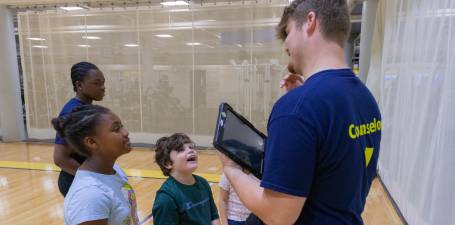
<point>323,136</point>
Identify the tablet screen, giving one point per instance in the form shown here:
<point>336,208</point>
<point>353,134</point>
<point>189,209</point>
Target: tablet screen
<point>242,141</point>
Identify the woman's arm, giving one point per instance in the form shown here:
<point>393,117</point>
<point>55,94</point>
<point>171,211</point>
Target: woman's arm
<point>62,158</point>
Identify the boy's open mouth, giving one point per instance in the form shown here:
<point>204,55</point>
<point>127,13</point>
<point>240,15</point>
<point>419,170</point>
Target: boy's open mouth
<point>192,158</point>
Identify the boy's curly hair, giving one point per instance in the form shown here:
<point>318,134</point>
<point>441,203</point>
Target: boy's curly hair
<point>165,145</point>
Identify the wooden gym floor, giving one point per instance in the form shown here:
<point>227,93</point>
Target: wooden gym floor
<point>29,194</point>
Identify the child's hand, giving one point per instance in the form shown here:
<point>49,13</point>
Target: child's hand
<point>291,81</point>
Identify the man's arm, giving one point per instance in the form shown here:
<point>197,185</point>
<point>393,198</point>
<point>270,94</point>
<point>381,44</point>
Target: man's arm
<point>63,160</point>
<point>270,206</point>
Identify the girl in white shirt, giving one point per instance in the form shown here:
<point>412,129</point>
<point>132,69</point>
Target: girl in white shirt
<point>232,211</point>
<point>100,193</point>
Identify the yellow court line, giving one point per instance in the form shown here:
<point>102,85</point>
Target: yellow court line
<point>157,174</point>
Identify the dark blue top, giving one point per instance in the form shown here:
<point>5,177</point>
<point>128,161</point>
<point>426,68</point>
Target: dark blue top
<point>70,105</point>
<point>323,144</point>
<point>67,108</point>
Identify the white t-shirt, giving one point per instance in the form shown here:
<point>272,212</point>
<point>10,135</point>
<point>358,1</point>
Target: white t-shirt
<point>235,209</point>
<point>96,196</point>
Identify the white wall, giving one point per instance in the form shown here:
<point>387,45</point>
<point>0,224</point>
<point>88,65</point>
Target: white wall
<point>11,118</point>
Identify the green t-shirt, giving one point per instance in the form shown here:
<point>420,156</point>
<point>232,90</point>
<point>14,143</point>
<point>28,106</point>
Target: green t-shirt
<point>177,203</point>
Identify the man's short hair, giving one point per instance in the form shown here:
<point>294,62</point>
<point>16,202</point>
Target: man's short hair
<point>332,15</point>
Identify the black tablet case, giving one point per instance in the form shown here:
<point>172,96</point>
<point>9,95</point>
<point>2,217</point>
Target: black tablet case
<point>248,157</point>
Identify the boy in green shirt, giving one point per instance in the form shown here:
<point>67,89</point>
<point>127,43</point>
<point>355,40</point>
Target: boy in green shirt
<point>184,198</point>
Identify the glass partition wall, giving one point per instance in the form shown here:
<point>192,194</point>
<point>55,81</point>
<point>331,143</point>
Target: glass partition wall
<point>166,68</point>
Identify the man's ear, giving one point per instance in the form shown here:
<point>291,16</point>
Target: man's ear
<point>311,23</point>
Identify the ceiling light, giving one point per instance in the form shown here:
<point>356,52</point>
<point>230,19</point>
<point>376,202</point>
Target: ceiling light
<point>36,39</point>
<point>91,37</point>
<point>131,45</point>
<point>71,8</point>
<point>193,43</point>
<point>84,46</point>
<point>39,46</point>
<point>164,35</point>
<point>174,3</point>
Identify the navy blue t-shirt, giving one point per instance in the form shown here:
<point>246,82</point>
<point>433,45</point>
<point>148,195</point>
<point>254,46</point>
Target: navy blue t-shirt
<point>67,108</point>
<point>323,144</point>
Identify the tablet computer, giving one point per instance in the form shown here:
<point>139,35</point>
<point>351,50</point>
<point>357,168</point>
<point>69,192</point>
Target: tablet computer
<point>239,140</point>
